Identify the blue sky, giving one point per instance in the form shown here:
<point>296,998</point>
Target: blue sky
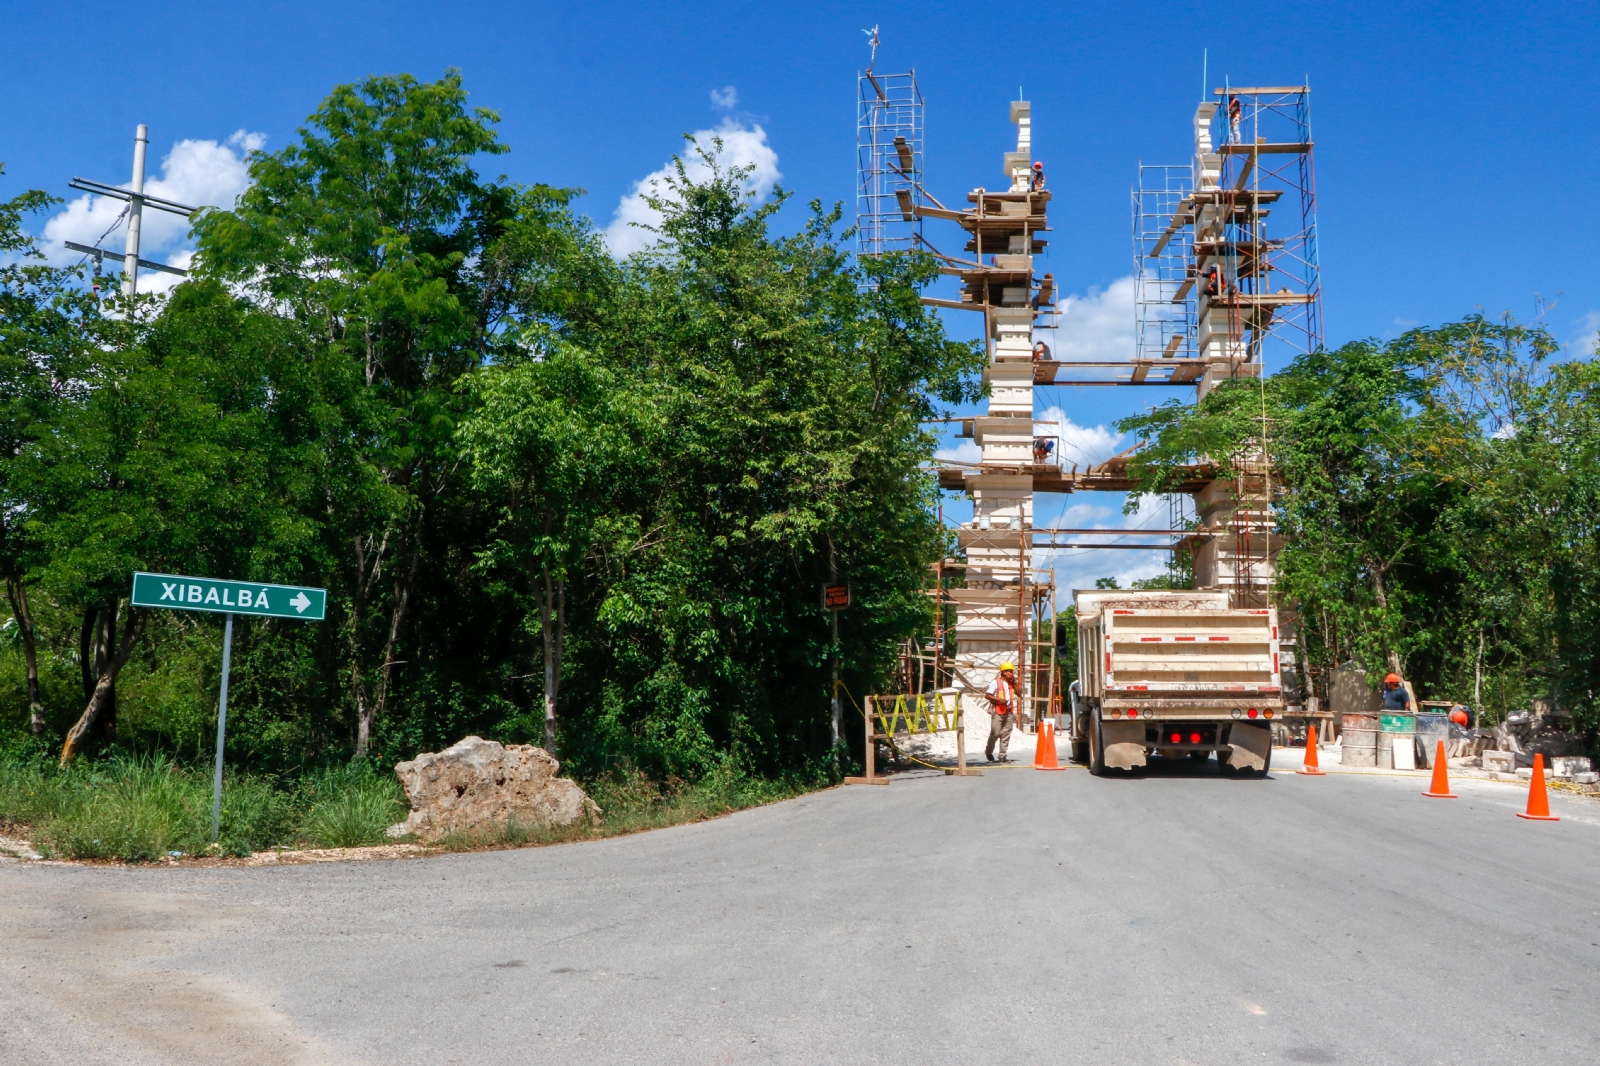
<point>1456,142</point>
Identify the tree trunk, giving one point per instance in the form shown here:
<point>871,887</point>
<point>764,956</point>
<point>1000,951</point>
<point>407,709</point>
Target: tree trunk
<point>86,651</point>
<point>1381,594</point>
<point>402,598</point>
<point>19,608</point>
<point>105,648</point>
<point>104,686</point>
<point>552,625</point>
<point>358,613</point>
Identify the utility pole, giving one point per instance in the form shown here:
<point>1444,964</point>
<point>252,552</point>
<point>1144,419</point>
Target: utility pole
<point>130,259</point>
<point>136,200</point>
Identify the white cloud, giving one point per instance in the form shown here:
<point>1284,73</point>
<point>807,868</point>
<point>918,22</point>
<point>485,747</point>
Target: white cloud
<point>966,451</point>
<point>1583,342</point>
<point>1098,325</point>
<point>1080,569</point>
<point>196,172</point>
<point>1084,445</point>
<point>742,146</point>
<point>725,98</point>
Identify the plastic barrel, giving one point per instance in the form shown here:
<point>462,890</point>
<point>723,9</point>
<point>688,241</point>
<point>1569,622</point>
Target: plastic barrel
<point>1431,728</point>
<point>1358,747</point>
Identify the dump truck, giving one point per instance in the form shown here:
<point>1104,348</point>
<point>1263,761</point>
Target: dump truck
<point>1174,673</point>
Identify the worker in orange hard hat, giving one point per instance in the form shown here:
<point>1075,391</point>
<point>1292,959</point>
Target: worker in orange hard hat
<point>1395,696</point>
<point>1003,708</point>
<point>1038,178</point>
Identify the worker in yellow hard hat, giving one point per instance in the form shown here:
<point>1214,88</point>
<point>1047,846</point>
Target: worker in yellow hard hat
<point>1003,710</point>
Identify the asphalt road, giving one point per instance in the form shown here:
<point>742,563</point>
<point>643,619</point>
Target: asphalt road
<point>1021,917</point>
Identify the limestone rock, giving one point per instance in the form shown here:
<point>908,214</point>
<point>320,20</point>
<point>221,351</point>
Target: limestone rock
<point>480,786</point>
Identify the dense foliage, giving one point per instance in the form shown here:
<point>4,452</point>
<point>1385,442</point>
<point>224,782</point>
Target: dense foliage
<point>554,497</point>
<point>1438,499</point>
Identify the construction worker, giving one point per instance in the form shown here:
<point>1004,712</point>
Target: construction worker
<point>1003,709</point>
<point>1041,350</point>
<point>1038,178</point>
<point>1235,112</point>
<point>1395,696</point>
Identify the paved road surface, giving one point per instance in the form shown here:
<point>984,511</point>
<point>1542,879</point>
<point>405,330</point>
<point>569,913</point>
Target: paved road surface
<point>1021,917</point>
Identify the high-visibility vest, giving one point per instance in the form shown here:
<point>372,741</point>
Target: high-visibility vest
<point>1007,692</point>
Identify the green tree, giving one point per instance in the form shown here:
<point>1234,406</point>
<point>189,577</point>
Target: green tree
<point>786,388</point>
<point>47,323</point>
<point>550,440</point>
<point>376,231</point>
<point>171,454</point>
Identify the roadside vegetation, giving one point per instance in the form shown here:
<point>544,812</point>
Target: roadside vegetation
<point>556,498</point>
<point>1438,498</point>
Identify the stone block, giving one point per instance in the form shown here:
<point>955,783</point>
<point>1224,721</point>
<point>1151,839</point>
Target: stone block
<point>1502,761</point>
<point>478,786</point>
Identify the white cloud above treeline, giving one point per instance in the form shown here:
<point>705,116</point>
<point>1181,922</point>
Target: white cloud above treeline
<point>742,145</point>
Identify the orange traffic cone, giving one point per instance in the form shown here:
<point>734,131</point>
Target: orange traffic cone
<point>1538,799</point>
<point>1440,789</point>
<point>1038,744</point>
<point>1310,768</point>
<point>1047,747</point>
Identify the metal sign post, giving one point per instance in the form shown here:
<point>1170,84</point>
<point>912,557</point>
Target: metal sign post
<point>178,593</point>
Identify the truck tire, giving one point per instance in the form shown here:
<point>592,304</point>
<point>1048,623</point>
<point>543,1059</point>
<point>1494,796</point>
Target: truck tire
<point>1097,747</point>
<point>1199,756</point>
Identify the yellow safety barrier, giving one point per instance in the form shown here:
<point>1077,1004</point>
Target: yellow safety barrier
<point>907,714</point>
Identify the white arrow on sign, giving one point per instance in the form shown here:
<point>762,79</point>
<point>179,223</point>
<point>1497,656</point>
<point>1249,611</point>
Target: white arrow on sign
<point>300,603</point>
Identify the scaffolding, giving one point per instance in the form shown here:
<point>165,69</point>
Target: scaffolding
<point>1266,152</point>
<point>1165,324</point>
<point>889,161</point>
<point>1246,208</point>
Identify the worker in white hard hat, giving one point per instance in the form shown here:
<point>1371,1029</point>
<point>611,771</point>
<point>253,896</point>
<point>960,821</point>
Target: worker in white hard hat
<point>1003,709</point>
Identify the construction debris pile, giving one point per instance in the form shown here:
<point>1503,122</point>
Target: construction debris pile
<point>1509,747</point>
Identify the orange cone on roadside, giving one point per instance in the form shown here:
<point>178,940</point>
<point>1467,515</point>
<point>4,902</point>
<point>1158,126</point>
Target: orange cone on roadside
<point>1310,768</point>
<point>1538,799</point>
<point>1038,744</point>
<point>1440,789</point>
<point>1046,759</point>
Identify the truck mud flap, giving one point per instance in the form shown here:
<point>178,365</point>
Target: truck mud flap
<point>1251,745</point>
<point>1124,744</point>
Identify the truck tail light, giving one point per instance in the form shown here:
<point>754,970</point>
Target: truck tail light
<point>1267,713</point>
<point>1252,712</point>
<point>1194,738</point>
<point>1177,738</point>
<point>1132,713</point>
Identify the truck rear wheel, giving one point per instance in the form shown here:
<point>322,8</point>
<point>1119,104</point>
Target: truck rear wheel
<point>1097,747</point>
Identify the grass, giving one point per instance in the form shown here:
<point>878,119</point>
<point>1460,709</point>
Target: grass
<point>140,808</point>
<point>634,803</point>
<point>143,808</point>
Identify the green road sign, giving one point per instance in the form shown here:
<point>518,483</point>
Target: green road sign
<point>228,597</point>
